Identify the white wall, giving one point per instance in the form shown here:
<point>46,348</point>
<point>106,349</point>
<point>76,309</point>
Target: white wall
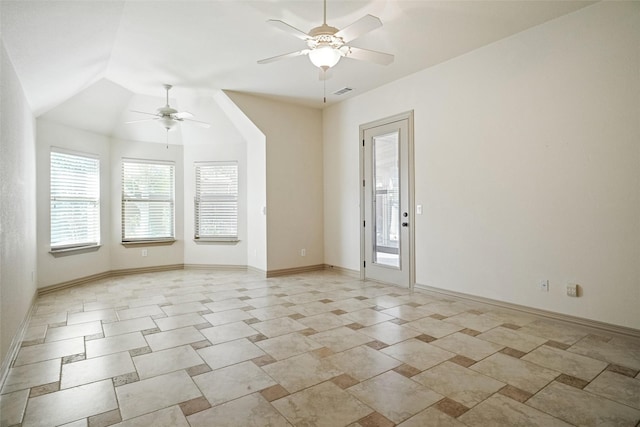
<point>527,159</point>
<point>130,256</point>
<point>221,142</point>
<point>256,179</point>
<point>294,179</point>
<point>53,270</point>
<point>18,270</point>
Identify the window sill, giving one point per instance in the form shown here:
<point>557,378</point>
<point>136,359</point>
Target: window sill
<point>149,243</point>
<point>73,251</point>
<point>211,240</point>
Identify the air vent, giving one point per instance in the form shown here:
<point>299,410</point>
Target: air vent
<point>342,91</point>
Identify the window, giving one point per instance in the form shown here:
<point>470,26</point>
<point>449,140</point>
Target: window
<point>216,201</point>
<point>75,200</point>
<point>147,201</point>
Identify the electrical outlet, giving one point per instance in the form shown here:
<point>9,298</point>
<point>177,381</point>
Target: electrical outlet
<point>303,252</point>
<point>544,285</point>
<point>572,290</point>
<point>144,252</point>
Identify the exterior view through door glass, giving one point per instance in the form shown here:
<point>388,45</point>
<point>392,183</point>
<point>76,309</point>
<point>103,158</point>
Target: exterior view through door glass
<point>387,199</point>
<point>386,237</point>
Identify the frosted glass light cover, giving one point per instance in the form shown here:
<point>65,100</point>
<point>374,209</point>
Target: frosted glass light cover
<point>324,57</point>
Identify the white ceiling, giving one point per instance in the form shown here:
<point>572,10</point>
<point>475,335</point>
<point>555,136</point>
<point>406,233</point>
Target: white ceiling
<point>95,55</point>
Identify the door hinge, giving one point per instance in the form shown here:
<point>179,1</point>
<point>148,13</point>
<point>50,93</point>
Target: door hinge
<point>363,142</point>
<point>363,182</point>
<point>365,264</point>
<point>364,223</point>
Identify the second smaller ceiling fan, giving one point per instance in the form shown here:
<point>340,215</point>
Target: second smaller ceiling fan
<point>169,117</point>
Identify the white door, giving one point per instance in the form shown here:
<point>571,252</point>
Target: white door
<point>387,239</point>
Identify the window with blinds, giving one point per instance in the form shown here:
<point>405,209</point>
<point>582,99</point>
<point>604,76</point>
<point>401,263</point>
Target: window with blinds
<point>147,201</point>
<point>216,201</point>
<point>75,200</point>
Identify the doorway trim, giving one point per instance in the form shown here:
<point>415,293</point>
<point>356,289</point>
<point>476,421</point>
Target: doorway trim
<point>408,115</point>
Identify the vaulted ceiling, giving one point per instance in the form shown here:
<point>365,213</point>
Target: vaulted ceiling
<point>89,58</point>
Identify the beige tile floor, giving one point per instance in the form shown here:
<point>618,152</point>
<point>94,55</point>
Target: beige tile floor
<point>195,348</point>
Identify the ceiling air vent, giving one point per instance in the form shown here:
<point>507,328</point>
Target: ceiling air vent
<point>342,91</point>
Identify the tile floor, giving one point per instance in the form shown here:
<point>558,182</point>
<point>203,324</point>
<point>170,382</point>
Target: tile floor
<point>196,348</point>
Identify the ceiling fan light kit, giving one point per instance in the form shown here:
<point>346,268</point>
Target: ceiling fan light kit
<point>327,44</point>
<point>324,57</point>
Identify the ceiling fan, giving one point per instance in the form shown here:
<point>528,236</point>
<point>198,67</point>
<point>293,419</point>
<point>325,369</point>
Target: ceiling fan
<point>327,44</point>
<point>169,117</point>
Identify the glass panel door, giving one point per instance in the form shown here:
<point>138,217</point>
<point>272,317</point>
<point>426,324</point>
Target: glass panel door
<point>387,199</point>
<point>386,225</point>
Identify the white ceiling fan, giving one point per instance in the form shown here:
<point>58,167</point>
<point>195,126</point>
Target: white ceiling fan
<point>169,117</point>
<point>327,44</point>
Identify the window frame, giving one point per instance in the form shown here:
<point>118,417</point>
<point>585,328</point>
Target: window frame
<point>198,200</point>
<point>91,243</point>
<point>127,198</point>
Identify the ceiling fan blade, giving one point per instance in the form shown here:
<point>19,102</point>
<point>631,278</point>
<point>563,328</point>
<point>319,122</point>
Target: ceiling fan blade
<point>197,123</point>
<point>183,115</point>
<point>288,29</point>
<point>141,121</point>
<point>285,56</point>
<point>144,112</point>
<point>361,26</point>
<point>368,55</point>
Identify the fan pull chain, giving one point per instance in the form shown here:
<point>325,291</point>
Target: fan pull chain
<point>324,83</point>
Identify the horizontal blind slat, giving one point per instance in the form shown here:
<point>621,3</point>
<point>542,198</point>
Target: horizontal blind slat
<point>216,200</point>
<point>75,200</point>
<point>147,200</point>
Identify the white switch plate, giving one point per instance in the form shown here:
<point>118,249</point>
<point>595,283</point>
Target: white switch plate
<point>419,209</point>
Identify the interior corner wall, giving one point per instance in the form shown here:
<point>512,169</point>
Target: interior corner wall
<point>220,142</point>
<point>527,165</point>
<point>59,269</point>
<point>18,268</point>
<point>294,179</point>
<point>255,176</point>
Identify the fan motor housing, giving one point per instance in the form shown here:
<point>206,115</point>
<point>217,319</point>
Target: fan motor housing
<point>324,35</point>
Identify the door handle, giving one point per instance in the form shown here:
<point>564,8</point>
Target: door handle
<point>405,224</point>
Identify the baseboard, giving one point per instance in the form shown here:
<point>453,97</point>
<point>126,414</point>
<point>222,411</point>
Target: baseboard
<point>294,270</point>
<point>142,270</point>
<point>344,271</point>
<point>580,321</point>
<point>107,274</point>
<point>74,282</point>
<point>216,267</point>
<point>16,343</point>
<point>159,268</point>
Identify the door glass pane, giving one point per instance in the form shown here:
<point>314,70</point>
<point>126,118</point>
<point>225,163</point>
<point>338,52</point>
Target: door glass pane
<point>386,160</point>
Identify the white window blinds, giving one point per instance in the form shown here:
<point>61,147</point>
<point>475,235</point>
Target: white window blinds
<point>75,200</point>
<point>216,201</point>
<point>147,200</point>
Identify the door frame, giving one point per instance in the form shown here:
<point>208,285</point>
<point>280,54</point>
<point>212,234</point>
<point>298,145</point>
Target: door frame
<point>408,115</point>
